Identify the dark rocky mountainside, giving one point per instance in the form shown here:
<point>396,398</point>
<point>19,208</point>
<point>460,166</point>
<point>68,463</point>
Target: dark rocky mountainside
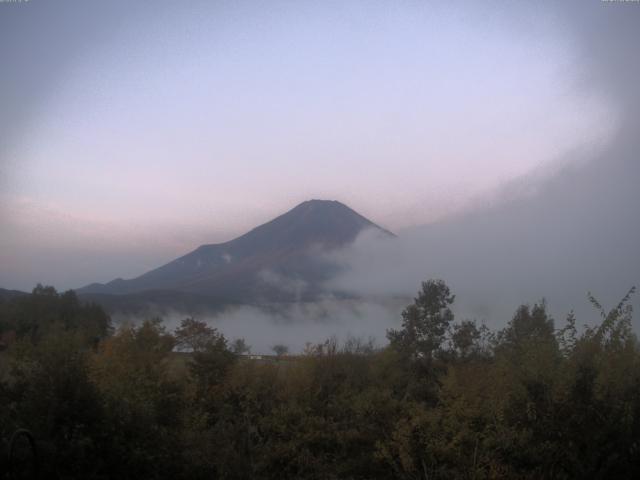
<point>279,261</point>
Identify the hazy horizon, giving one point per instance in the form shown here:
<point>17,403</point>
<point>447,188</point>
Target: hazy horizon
<point>131,135</point>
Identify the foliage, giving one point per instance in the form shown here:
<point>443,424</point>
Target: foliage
<point>444,399</point>
<point>194,336</point>
<point>280,349</point>
<point>425,323</point>
<point>239,347</point>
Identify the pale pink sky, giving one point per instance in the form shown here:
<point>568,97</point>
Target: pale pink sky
<point>188,124</point>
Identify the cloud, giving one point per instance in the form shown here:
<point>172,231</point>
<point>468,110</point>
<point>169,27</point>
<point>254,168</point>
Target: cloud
<point>556,238</point>
<point>290,285</point>
<point>296,324</point>
<point>556,232</point>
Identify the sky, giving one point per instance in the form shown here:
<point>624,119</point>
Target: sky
<point>132,132</point>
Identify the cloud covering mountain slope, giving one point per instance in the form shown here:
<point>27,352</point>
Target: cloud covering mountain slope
<point>281,260</point>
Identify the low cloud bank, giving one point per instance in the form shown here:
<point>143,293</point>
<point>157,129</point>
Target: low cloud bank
<point>296,324</point>
<point>557,239</point>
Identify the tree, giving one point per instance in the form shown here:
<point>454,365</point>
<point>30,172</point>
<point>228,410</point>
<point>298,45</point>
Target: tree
<point>46,312</point>
<point>194,336</point>
<point>425,323</point>
<point>240,347</point>
<point>529,325</point>
<point>467,339</point>
<point>211,355</point>
<point>141,400</point>
<point>280,349</point>
<point>211,361</point>
<point>616,323</point>
<point>53,396</point>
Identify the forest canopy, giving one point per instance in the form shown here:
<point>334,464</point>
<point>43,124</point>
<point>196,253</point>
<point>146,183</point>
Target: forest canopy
<point>445,398</point>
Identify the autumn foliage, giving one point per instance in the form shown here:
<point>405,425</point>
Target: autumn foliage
<point>444,399</point>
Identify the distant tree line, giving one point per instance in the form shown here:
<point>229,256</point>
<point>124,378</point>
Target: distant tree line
<point>443,400</point>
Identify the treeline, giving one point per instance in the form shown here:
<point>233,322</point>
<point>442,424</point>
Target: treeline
<point>443,399</point>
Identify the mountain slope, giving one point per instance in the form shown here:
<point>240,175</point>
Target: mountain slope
<point>278,261</point>
<point>9,294</point>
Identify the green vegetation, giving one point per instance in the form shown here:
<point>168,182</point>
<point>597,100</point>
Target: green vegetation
<point>444,399</point>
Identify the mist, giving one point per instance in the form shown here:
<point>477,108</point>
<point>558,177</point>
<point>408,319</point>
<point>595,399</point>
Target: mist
<point>568,226</point>
<point>294,325</point>
<point>555,233</point>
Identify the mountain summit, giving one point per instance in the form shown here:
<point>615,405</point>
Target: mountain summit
<point>280,260</point>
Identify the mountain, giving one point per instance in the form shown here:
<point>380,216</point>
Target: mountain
<point>9,294</point>
<point>279,261</point>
